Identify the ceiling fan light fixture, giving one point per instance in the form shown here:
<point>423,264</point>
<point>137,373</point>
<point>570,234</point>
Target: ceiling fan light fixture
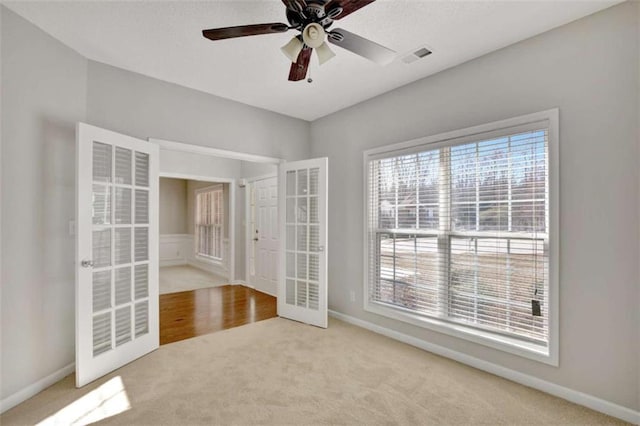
<point>292,49</point>
<point>311,18</point>
<point>313,35</point>
<point>324,53</point>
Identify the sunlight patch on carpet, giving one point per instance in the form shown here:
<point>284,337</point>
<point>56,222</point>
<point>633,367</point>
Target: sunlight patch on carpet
<point>105,401</point>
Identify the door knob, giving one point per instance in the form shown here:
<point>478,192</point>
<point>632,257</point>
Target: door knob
<point>86,263</point>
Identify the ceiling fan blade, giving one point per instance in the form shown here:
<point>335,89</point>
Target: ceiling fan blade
<point>348,6</point>
<point>361,46</point>
<point>244,30</point>
<point>299,68</point>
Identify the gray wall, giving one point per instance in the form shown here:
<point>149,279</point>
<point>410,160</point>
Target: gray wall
<point>144,107</point>
<point>589,69</point>
<point>43,95</point>
<point>638,134</point>
<point>173,206</point>
<point>187,163</point>
<point>46,89</point>
<point>254,170</point>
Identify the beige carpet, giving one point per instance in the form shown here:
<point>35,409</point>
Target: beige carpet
<point>279,372</point>
<point>174,279</point>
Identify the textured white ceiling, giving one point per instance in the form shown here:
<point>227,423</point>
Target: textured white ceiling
<point>163,40</point>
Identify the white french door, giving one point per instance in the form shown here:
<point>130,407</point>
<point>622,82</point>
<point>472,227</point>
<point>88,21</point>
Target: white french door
<point>302,290</point>
<point>264,235</point>
<point>117,251</point>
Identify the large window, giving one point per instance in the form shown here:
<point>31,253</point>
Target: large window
<point>209,222</point>
<point>458,234</point>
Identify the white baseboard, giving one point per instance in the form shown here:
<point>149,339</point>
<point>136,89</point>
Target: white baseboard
<point>35,388</point>
<point>574,396</point>
<point>172,262</point>
<point>174,249</point>
<point>269,293</point>
<point>251,286</point>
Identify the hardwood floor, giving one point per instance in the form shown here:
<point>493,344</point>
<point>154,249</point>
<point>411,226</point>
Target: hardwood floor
<point>203,311</point>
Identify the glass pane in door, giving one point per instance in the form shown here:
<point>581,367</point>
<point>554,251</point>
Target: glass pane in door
<point>101,200</point>
<point>302,238</point>
<point>123,166</point>
<point>101,162</point>
<point>120,203</point>
<point>101,290</point>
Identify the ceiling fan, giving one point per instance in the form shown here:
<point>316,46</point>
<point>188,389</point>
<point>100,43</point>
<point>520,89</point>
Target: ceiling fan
<point>312,18</point>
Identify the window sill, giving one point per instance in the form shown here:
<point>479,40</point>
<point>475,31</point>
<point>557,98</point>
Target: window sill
<point>503,343</point>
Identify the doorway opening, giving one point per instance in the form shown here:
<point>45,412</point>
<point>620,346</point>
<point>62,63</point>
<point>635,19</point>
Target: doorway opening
<point>194,234</point>
<point>117,244</point>
<point>211,237</point>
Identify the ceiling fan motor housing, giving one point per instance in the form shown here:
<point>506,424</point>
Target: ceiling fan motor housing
<point>313,13</point>
<point>312,19</point>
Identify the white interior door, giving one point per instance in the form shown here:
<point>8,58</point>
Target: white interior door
<point>302,289</point>
<point>265,236</point>
<point>117,251</point>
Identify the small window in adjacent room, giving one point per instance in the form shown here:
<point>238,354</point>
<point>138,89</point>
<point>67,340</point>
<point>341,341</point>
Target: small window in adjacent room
<point>209,220</point>
<point>460,232</point>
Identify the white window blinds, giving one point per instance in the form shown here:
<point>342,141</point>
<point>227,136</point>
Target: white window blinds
<point>460,232</point>
<point>209,222</point>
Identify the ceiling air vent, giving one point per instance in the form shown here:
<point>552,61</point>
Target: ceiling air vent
<point>415,55</point>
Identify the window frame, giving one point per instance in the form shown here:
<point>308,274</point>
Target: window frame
<point>547,355</point>
<point>218,187</point>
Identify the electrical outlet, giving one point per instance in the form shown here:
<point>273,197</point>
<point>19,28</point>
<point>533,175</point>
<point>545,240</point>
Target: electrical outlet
<point>352,296</point>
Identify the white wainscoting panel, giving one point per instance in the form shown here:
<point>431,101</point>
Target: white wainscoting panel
<point>175,249</point>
